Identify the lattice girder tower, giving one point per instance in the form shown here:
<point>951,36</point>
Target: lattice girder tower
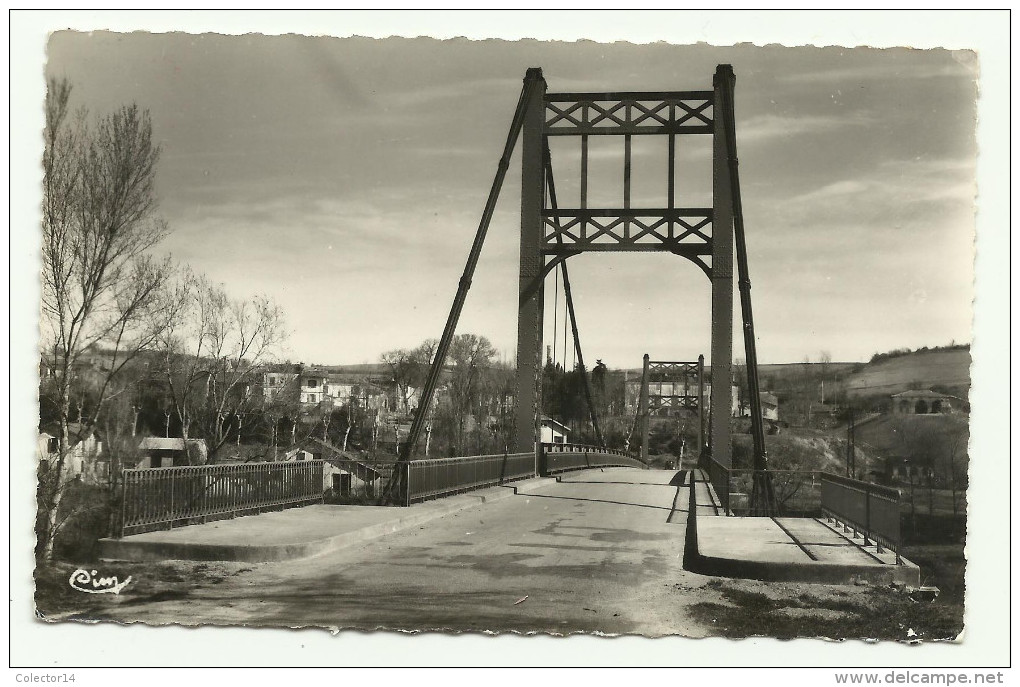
<point>671,385</point>
<point>550,234</point>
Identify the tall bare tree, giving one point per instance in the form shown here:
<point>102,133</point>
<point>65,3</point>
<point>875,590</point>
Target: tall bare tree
<point>212,354</point>
<point>410,367</point>
<point>101,289</point>
<point>470,355</point>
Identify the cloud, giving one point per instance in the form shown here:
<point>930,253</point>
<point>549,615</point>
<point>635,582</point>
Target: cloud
<point>767,127</point>
<point>899,182</point>
<point>963,64</point>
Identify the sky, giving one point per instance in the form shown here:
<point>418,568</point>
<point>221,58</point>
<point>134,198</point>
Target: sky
<point>346,177</point>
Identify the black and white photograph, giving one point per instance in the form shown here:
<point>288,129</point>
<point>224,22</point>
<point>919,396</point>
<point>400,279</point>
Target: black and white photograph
<point>539,338</point>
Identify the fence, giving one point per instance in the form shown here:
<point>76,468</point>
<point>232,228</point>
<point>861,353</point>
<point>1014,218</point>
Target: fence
<point>157,498</point>
<point>432,477</point>
<point>719,477</point>
<point>563,457</point>
<point>798,492</point>
<point>869,509</point>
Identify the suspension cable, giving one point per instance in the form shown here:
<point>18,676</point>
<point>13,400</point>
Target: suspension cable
<point>570,309</point>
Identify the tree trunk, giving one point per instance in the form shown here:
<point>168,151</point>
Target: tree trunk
<point>53,489</point>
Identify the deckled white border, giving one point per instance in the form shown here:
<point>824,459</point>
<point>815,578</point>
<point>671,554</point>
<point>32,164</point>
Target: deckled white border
<point>986,639</point>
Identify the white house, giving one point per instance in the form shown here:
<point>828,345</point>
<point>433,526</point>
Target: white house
<point>769,406</point>
<point>84,459</point>
<point>552,431</point>
<point>343,473</point>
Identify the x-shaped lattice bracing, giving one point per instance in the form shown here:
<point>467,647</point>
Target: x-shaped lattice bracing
<point>575,114</point>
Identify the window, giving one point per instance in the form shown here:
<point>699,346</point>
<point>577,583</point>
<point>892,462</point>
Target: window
<point>342,484</point>
<point>52,445</point>
<point>312,383</point>
<point>272,381</point>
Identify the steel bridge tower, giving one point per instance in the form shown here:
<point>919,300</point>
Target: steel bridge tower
<point>550,235</point>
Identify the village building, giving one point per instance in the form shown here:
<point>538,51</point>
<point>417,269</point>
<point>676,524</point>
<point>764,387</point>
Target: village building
<point>769,407</point>
<point>924,402</point>
<point>276,379</point>
<point>341,389</point>
<point>312,384</point>
<point>85,459</point>
<point>553,432</point>
<point>171,452</point>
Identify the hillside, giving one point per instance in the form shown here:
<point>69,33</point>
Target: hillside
<point>919,370</point>
<point>806,449</point>
<point>892,435</point>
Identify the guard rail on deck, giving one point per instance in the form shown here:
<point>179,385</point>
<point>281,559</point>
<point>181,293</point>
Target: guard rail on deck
<point>563,457</point>
<point>157,498</point>
<point>432,477</point>
<point>871,510</point>
<point>798,492</point>
<point>719,478</point>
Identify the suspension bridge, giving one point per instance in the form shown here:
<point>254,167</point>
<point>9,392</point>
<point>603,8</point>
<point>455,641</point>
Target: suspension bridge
<point>605,498</point>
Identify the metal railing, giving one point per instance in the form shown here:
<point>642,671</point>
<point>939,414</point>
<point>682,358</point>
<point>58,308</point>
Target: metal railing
<point>159,498</point>
<point>870,510</point>
<point>719,478</point>
<point>431,477</point>
<point>798,492</point>
<point>563,457</point>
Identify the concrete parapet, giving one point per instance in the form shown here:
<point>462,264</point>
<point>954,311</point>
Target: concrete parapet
<point>298,532</point>
<point>786,550</point>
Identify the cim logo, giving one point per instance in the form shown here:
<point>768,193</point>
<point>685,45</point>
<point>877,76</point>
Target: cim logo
<point>91,583</point>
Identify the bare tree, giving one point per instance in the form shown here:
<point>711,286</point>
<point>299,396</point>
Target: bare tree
<point>470,354</point>
<point>213,353</point>
<point>100,287</point>
<point>403,369</point>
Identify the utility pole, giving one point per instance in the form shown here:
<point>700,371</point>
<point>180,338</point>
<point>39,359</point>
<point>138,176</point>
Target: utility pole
<point>851,452</point>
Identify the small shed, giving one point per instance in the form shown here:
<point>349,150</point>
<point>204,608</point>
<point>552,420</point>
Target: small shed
<point>168,452</point>
<point>553,432</point>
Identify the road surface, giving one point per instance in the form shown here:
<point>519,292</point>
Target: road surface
<point>601,551</point>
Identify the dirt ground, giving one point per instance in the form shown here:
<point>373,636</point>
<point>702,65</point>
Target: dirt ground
<point>717,606</point>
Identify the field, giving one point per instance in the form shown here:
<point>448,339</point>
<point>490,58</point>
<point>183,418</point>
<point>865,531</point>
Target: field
<point>950,368</point>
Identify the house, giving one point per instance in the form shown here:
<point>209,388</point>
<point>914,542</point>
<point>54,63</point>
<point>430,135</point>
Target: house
<point>349,476</point>
<point>84,460</point>
<point>769,406</point>
<point>298,454</point>
<point>276,379</point>
<point>169,452</point>
<point>312,386</point>
<point>552,432</point>
<point>925,401</point>
<point>341,390</point>
<point>346,474</point>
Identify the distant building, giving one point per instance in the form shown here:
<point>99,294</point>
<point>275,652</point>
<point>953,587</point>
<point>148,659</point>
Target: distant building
<point>552,431</point>
<point>769,406</point>
<point>171,452</point>
<point>84,460</point>
<point>312,388</point>
<point>924,402</point>
<point>276,379</point>
<point>341,390</point>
